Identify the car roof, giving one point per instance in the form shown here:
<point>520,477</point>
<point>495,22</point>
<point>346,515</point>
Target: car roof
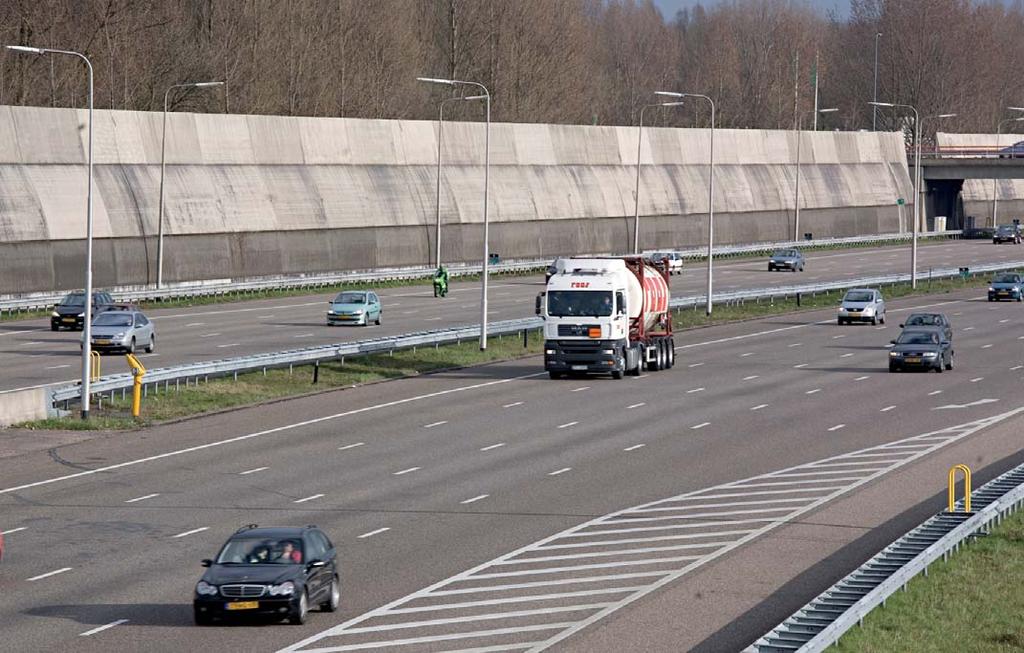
<point>273,531</point>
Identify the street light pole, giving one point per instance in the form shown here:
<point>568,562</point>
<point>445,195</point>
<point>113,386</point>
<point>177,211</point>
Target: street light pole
<point>874,109</point>
<point>440,127</point>
<point>995,182</point>
<point>163,152</point>
<point>87,317</point>
<point>487,166</point>
<point>636,194</point>
<point>711,188</point>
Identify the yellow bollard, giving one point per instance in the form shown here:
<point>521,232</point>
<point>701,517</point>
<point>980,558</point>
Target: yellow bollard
<point>94,366</point>
<point>967,487</point>
<point>138,371</point>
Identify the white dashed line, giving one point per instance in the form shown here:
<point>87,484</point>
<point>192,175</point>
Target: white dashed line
<point>48,574</point>
<point>252,471</point>
<point>376,532</point>
<point>796,344</point>
<point>304,335</point>
<point>700,426</point>
<point>311,498</point>
<point>751,377</point>
<point>759,407</point>
<point>351,446</point>
<point>800,366</point>
<point>143,498</point>
<point>195,324</point>
<point>209,335</point>
<point>100,629</point>
<point>862,378</point>
<point>1003,321</point>
<point>1016,367</point>
<point>695,364</point>
<point>837,427</point>
<point>642,403</point>
<point>512,405</point>
<point>493,446</point>
<point>475,499</point>
<point>934,392</point>
<point>986,346</point>
<point>568,424</point>
<point>749,353</point>
<point>968,328</point>
<point>559,471</point>
<point>841,335</point>
<point>232,344</point>
<point>690,392</point>
<point>14,530</point>
<point>976,379</point>
<point>191,532</point>
<point>407,471</point>
<point>586,387</point>
<point>846,355</point>
<point>433,424</point>
<point>635,447</point>
<point>886,409</point>
<point>811,392</point>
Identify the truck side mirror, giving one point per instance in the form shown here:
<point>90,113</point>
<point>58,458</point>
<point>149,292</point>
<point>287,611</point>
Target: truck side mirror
<point>536,303</point>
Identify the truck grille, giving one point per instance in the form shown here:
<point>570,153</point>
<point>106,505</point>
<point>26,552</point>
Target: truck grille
<point>576,329</point>
<point>578,347</point>
<point>243,591</point>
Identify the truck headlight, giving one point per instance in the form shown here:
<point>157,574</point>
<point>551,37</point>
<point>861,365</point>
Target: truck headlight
<point>608,352</point>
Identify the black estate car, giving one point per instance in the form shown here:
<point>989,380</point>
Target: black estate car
<point>271,572</point>
<point>70,312</point>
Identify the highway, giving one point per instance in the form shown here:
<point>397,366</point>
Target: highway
<point>432,482</point>
<point>32,355</point>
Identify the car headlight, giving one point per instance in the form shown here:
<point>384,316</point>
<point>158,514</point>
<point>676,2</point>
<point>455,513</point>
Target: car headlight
<point>286,588</point>
<point>205,589</point>
<point>549,352</point>
<point>357,312</point>
<point>331,313</point>
<point>1016,289</point>
<point>868,310</point>
<point>81,315</point>
<point>895,354</point>
<point>991,289</point>
<point>55,314</point>
<point>930,354</point>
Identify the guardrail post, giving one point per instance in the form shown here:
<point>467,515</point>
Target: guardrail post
<point>967,487</point>
<point>316,372</point>
<point>138,372</point>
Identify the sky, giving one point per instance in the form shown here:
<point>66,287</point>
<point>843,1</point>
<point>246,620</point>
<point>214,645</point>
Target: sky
<point>670,7</point>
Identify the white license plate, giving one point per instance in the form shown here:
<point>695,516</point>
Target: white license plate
<point>579,368</point>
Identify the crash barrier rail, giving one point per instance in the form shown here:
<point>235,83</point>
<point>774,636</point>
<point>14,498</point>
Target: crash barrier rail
<point>821,623</point>
<point>324,353</point>
<point>215,287</point>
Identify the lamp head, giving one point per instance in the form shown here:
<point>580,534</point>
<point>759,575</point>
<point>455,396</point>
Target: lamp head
<point>669,94</point>
<point>434,80</point>
<point>26,48</point>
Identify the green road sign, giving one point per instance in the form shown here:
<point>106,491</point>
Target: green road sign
<point>900,202</point>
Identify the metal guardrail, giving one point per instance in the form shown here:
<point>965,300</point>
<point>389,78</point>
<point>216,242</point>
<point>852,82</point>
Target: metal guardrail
<point>821,623</point>
<point>214,287</point>
<point>325,353</point>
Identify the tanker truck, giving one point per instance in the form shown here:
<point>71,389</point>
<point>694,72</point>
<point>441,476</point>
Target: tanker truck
<point>607,316</point>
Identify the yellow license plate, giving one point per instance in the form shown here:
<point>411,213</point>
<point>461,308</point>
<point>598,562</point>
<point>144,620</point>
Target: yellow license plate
<point>913,359</point>
<point>242,605</point>
<point>102,342</point>
<point>68,319</point>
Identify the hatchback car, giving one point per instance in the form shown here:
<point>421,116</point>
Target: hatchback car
<point>1006,233</point>
<point>70,312</point>
<point>269,572</point>
<point>1005,286</point>
<point>355,307</point>
<point>786,259</point>
<point>862,305</point>
<point>929,320</point>
<point>922,349</point>
<point>123,328</point>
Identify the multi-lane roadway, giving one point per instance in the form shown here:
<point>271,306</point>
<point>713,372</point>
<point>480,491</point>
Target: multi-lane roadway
<point>456,500</point>
<point>31,355</point>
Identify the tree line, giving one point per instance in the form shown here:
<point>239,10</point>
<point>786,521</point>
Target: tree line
<point>551,61</point>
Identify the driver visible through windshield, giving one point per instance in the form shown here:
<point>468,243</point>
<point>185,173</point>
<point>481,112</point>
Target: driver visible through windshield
<point>596,303</point>
<point>350,298</point>
<point>260,551</point>
<point>855,296</point>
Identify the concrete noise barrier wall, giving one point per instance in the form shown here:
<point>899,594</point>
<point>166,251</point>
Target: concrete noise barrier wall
<point>977,194</point>
<point>262,195</point>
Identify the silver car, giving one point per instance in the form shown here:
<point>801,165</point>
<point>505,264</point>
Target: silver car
<point>122,329</point>
<point>862,305</point>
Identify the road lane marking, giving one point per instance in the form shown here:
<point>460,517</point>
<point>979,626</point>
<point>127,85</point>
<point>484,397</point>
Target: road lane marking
<point>690,392</point>
<point>968,328</point>
<point>1003,321</point>
<point>100,629</point>
<point>837,427</point>
<point>749,353</point>
<point>474,499</point>
<point>304,335</point>
<point>980,402</point>
<point>513,404</point>
<point>796,344</point>
<point>841,335</point>
<point>48,574</point>
<point>811,392</point>
<point>310,498</point>
<point>209,335</point>
<point>700,426</point>
<point>635,447</point>
<point>976,379</point>
<point>493,446</point>
<point>568,424</point>
<point>800,366</point>
<point>351,446</point>
<point>846,355</point>
<point>14,333</point>
<point>14,530</point>
<point>372,533</point>
<point>586,387</point>
<point>433,424</point>
<point>195,324</point>
<point>259,434</point>
<point>191,532</point>
<point>232,344</point>
<point>142,498</point>
<point>751,377</point>
<point>406,471</point>
<point>642,403</point>
<point>559,471</point>
<point>29,344</point>
<point>253,471</point>
<point>57,367</point>
<point>886,409</point>
<point>693,364</point>
<point>862,378</point>
<point>1016,367</point>
<point>759,407</point>
<point>986,346</point>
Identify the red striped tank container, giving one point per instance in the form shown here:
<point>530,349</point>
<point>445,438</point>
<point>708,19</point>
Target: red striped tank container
<point>655,296</point>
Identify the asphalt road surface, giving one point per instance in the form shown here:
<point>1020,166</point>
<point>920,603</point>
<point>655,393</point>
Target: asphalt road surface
<point>31,355</point>
<point>451,496</point>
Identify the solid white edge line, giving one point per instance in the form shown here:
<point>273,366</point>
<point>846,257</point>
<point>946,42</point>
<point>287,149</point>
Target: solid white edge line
<point>100,629</point>
<point>258,434</point>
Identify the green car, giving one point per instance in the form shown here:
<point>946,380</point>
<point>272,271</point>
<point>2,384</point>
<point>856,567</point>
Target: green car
<point>354,307</point>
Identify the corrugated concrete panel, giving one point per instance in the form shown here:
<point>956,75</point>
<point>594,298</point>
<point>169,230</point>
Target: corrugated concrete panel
<point>221,140</point>
<point>324,140</point>
<point>275,142</point>
<point>9,150</point>
<point>21,214</point>
<point>48,135</point>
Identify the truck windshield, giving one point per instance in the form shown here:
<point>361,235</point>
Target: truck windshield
<point>596,303</point>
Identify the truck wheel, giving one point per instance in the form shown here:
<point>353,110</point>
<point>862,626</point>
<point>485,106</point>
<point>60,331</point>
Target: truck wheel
<point>670,351</point>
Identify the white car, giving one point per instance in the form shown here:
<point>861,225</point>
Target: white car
<point>675,260</point>
<point>862,305</point>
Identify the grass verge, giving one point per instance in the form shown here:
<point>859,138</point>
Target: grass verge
<point>971,603</point>
<point>225,392</point>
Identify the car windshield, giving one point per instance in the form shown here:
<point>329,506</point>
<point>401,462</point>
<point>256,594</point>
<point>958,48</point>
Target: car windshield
<point>74,299</point>
<point>784,253</point>
<point>918,338</point>
<point>261,551</point>
<point>858,296</point>
<point>113,319</point>
<point>597,303</point>
<point>923,320</point>
<point>350,298</point>
<point>1006,228</point>
<point>1006,278</point>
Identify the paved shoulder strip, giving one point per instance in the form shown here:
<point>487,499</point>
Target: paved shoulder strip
<point>538,595</point>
